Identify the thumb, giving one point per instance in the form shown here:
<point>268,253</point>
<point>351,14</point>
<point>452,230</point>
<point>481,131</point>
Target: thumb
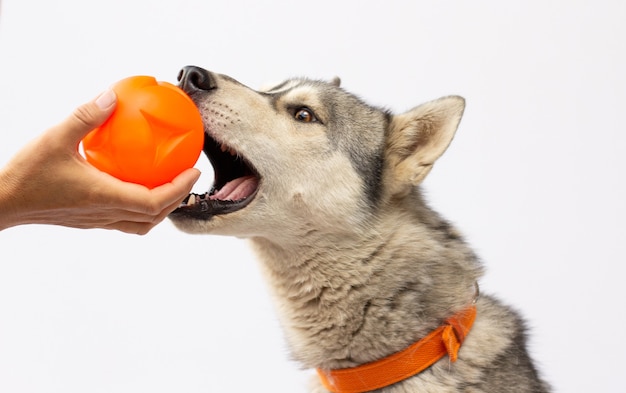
<point>88,116</point>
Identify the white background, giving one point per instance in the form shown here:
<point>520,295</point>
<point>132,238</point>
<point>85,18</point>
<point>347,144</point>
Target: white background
<point>534,178</point>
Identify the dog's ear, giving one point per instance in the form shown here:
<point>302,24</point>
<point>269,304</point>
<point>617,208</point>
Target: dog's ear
<point>417,138</point>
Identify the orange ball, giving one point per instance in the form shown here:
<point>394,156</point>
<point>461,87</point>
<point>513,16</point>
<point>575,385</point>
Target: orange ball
<point>154,133</point>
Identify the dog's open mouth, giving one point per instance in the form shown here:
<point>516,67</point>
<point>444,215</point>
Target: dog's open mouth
<point>235,185</point>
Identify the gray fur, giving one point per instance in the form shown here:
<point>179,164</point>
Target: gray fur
<point>359,264</point>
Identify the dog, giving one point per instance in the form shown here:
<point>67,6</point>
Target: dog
<point>367,278</point>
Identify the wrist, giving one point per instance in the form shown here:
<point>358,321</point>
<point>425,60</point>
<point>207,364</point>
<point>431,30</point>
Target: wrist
<point>9,214</point>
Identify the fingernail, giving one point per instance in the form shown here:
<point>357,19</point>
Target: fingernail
<point>106,99</point>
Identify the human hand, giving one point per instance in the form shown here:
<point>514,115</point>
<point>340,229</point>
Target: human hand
<point>49,182</point>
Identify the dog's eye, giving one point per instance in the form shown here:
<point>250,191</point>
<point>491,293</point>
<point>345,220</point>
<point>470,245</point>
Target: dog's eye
<point>305,115</point>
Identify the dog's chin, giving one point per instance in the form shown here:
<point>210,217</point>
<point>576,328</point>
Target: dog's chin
<point>235,185</point>
<point>202,207</point>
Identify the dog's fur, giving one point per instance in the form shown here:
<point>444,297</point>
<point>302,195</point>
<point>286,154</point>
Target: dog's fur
<point>360,266</point>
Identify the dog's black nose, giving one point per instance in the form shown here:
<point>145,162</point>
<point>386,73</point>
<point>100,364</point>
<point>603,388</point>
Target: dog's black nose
<point>193,79</point>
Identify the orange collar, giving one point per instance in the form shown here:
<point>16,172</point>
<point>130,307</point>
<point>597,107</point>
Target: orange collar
<point>445,340</point>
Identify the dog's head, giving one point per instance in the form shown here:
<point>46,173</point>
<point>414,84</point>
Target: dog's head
<point>305,155</point>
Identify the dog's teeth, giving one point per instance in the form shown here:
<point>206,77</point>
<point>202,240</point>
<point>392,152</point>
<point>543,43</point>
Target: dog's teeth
<point>192,200</point>
<point>230,150</point>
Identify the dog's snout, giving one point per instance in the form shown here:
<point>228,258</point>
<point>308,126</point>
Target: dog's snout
<point>194,79</point>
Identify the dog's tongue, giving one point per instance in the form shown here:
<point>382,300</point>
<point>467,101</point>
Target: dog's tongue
<point>237,189</point>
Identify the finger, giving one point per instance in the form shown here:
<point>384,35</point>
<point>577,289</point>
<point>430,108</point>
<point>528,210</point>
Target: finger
<point>140,218</point>
<point>142,204</point>
<point>141,223</point>
<point>87,117</point>
<point>174,192</point>
<point>131,227</point>
<point>166,212</point>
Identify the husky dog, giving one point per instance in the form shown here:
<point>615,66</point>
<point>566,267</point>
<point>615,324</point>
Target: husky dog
<point>327,190</point>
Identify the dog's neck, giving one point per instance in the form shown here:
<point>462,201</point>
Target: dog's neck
<point>345,301</point>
